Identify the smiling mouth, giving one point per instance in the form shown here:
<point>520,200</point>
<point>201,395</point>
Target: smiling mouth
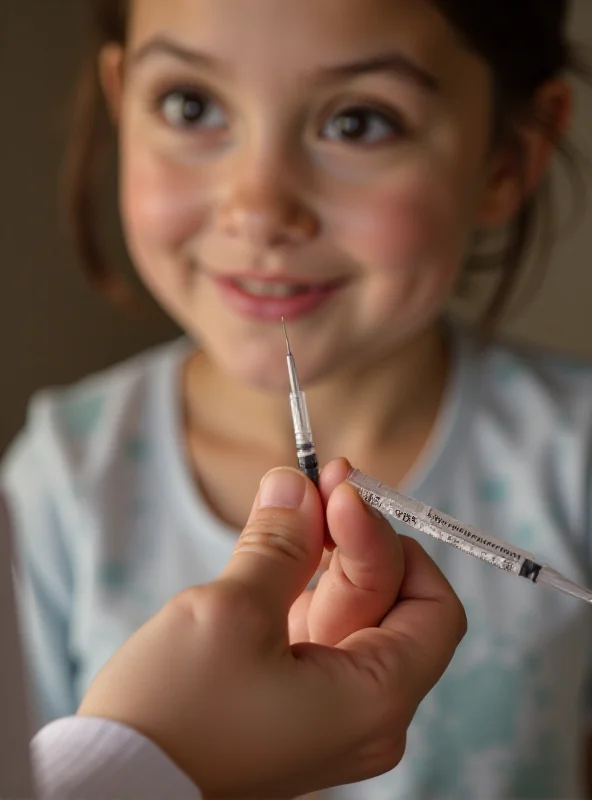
<point>281,289</point>
<point>270,299</point>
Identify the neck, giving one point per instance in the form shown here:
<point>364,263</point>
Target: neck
<point>381,403</point>
<point>364,408</point>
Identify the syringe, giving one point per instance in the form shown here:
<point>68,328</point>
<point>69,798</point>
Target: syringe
<point>391,503</point>
<point>305,449</point>
<point>423,518</point>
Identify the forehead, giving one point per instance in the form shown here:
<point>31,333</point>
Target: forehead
<point>289,35</point>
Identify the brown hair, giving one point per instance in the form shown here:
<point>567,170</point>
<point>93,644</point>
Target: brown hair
<point>91,143</point>
<point>522,40</point>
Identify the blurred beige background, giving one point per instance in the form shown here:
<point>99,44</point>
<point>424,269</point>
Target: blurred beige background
<point>52,327</point>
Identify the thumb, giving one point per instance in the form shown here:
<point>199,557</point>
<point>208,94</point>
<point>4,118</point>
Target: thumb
<point>281,546</point>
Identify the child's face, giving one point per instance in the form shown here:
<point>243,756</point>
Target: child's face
<point>325,160</point>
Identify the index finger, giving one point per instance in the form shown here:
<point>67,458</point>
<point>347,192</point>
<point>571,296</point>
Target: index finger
<point>417,639</point>
<point>365,573</point>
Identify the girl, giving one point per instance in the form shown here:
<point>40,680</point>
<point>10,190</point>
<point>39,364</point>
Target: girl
<point>340,164</point>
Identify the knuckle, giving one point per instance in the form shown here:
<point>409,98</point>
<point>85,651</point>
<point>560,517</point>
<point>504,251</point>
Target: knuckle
<point>185,604</point>
<point>236,609</point>
<point>203,608</point>
<point>274,535</point>
<point>382,665</point>
<point>223,605</point>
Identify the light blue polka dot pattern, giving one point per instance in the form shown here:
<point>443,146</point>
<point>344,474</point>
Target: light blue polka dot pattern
<point>525,535</point>
<point>539,776</point>
<point>493,490</point>
<point>445,765</point>
<point>113,575</point>
<point>82,417</point>
<point>488,698</point>
<point>533,664</point>
<point>472,712</point>
<point>506,371</point>
<point>137,449</point>
<point>473,715</point>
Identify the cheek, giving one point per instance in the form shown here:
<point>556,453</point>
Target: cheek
<point>408,241</point>
<point>162,207</point>
<point>398,229</point>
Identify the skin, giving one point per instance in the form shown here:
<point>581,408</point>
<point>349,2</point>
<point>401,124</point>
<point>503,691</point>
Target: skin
<point>264,192</point>
<point>264,183</point>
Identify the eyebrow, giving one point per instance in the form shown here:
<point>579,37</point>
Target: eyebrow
<point>396,64</point>
<point>164,46</point>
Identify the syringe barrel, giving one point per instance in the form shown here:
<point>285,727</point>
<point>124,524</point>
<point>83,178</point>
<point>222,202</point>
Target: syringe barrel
<point>425,519</point>
<point>464,537</point>
<point>301,422</point>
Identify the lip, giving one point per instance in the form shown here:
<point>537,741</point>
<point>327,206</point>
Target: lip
<point>272,309</point>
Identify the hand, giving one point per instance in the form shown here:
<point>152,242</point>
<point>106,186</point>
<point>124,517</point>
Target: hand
<point>213,680</point>
<point>363,573</point>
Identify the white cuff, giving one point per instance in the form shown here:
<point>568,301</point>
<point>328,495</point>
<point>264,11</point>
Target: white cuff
<point>97,759</point>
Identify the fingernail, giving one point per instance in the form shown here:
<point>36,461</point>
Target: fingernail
<point>282,488</point>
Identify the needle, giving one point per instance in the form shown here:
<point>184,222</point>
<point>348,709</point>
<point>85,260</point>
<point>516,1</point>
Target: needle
<point>305,449</point>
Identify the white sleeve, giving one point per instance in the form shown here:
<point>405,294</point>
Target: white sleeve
<point>95,759</point>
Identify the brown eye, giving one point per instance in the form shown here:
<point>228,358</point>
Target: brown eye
<point>361,125</point>
<point>191,109</point>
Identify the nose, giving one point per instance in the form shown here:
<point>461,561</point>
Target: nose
<point>264,212</point>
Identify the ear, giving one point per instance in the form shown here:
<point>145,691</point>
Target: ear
<point>515,173</point>
<point>110,65</point>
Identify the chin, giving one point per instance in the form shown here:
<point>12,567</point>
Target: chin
<point>260,371</point>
